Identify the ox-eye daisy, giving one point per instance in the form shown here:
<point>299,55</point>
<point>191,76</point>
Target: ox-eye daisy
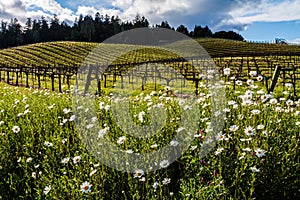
<point>85,187</point>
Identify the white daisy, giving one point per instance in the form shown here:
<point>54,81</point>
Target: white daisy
<point>65,160</point>
<point>288,85</point>
<point>121,139</point>
<point>89,126</point>
<point>233,128</point>
<point>264,98</point>
<point>143,179</point>
<point>166,181</point>
<point>107,107</point>
<point>85,187</point>
<point>247,149</point>
<point>226,71</point>
<point>72,118</point>
<point>289,102</point>
<point>174,143</point>
<point>66,110</point>
<point>273,101</point>
<point>255,112</point>
<point>221,137</point>
<point>48,144</point>
<point>253,73</point>
<point>250,82</point>
<point>259,152</point>
<point>164,164</point>
<point>141,116</point>
<point>64,140</point>
<point>219,150</point>
<point>155,185</point>
<point>254,169</point>
<point>76,159</point>
<point>249,131</point>
<point>47,189</point>
<point>180,129</point>
<point>93,172</point>
<point>240,116</point>
<point>231,103</point>
<point>239,83</point>
<point>103,132</point>
<point>259,78</point>
<point>130,151</point>
<point>101,105</point>
<point>192,148</point>
<point>16,129</point>
<point>260,127</point>
<point>138,173</point>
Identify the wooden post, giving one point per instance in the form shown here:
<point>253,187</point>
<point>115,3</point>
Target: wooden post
<point>234,84</point>
<point>99,85</point>
<point>98,81</point>
<point>143,83</point>
<point>248,67</point>
<point>33,79</point>
<point>27,83</point>
<point>197,85</point>
<point>76,80</point>
<point>7,72</point>
<point>294,81</point>
<point>122,82</point>
<point>59,83</point>
<point>104,80</point>
<point>114,77</point>
<point>39,79</point>
<point>17,78</point>
<point>88,79</point>
<point>274,78</point>
<point>68,81</point>
<point>52,81</point>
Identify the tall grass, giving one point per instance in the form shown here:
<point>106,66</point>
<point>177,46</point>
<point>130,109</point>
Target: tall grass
<point>256,156</point>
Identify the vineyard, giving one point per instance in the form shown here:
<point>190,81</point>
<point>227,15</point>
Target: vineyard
<point>255,156</point>
<point>54,65</point>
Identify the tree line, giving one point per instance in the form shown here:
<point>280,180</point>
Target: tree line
<point>88,28</point>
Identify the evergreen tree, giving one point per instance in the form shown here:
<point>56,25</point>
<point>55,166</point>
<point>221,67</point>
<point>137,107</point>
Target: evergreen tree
<point>87,28</point>
<point>182,29</point>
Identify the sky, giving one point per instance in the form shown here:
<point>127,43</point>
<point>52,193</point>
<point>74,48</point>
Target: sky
<point>255,20</point>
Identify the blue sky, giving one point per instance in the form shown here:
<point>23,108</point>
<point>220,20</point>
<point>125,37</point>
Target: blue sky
<point>289,30</point>
<point>259,20</point>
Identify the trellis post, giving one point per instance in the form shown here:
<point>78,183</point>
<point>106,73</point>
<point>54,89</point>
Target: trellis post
<point>7,72</point>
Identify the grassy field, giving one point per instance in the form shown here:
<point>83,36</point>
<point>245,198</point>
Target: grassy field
<point>256,156</point>
<point>43,156</point>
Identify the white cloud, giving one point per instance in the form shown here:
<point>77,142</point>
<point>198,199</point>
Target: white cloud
<point>217,14</point>
<point>49,8</point>
<point>268,11</point>
<point>23,9</point>
<point>86,10</point>
<point>10,9</point>
<point>214,13</point>
<point>295,41</point>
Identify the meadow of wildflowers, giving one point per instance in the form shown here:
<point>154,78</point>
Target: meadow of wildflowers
<point>256,156</point>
